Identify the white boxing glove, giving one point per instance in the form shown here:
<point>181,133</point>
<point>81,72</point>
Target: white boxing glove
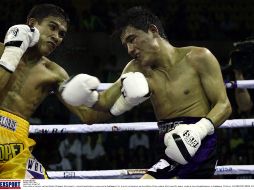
<point>183,142</point>
<point>135,90</point>
<point>80,90</point>
<point>17,39</point>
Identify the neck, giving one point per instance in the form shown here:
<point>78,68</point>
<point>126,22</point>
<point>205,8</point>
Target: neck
<point>167,55</point>
<point>31,55</point>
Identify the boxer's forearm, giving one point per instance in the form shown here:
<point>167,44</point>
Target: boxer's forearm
<point>243,100</point>
<point>90,116</point>
<point>220,113</point>
<point>4,77</point>
<point>108,97</point>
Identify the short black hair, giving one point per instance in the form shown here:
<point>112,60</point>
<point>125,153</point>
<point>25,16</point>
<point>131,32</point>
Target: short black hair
<point>41,11</point>
<point>139,18</point>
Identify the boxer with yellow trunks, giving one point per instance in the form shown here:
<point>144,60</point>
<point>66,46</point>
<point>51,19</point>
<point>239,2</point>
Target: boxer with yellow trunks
<point>27,77</point>
<point>16,160</point>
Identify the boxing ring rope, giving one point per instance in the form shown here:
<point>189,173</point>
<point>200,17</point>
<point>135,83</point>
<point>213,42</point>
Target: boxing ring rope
<point>240,84</point>
<point>137,173</point>
<point>118,127</point>
<point>138,126</point>
<point>230,84</point>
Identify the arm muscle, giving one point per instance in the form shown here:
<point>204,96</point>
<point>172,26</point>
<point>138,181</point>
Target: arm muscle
<point>212,81</point>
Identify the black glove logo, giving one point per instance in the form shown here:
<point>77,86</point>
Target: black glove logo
<point>13,33</point>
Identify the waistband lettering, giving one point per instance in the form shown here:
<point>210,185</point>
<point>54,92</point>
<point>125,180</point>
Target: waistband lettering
<point>8,123</point>
<point>165,127</point>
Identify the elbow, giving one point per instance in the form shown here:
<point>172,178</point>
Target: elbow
<point>88,120</point>
<point>93,117</point>
<point>87,116</point>
<point>228,109</point>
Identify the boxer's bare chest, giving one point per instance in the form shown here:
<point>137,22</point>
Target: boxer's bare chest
<point>27,87</point>
<point>175,91</point>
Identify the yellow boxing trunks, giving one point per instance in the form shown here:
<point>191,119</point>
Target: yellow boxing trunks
<point>16,159</point>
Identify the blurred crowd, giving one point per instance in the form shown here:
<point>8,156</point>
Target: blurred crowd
<point>183,19</point>
<point>196,20</point>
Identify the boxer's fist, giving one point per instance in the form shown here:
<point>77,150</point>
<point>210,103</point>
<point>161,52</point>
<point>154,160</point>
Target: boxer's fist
<point>17,39</point>
<point>183,142</point>
<point>134,90</point>
<point>80,90</point>
<point>21,36</point>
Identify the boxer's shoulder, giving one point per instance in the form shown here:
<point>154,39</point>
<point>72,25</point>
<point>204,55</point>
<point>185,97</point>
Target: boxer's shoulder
<point>132,66</point>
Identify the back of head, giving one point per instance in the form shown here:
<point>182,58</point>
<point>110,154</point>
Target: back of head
<point>139,18</point>
<point>41,11</point>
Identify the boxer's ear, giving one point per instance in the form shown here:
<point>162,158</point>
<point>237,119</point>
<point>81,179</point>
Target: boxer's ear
<point>31,22</point>
<point>153,28</point>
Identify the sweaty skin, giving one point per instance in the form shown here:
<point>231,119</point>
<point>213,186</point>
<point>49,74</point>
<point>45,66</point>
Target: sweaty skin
<point>176,91</point>
<point>36,76</point>
<point>183,81</point>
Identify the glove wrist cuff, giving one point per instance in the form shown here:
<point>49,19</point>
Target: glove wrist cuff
<point>120,106</point>
<point>11,57</point>
<point>206,127</point>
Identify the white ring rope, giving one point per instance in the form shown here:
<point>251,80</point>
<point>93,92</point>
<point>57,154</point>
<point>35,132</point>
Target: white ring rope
<point>118,127</point>
<point>231,84</point>
<point>137,173</point>
<point>146,126</point>
<point>240,84</point>
<point>139,126</point>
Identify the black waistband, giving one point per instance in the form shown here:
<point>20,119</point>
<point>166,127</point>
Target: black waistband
<point>169,124</point>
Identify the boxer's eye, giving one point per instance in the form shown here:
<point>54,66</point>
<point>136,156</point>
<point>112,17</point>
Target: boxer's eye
<point>131,39</point>
<point>62,34</point>
<point>52,27</point>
